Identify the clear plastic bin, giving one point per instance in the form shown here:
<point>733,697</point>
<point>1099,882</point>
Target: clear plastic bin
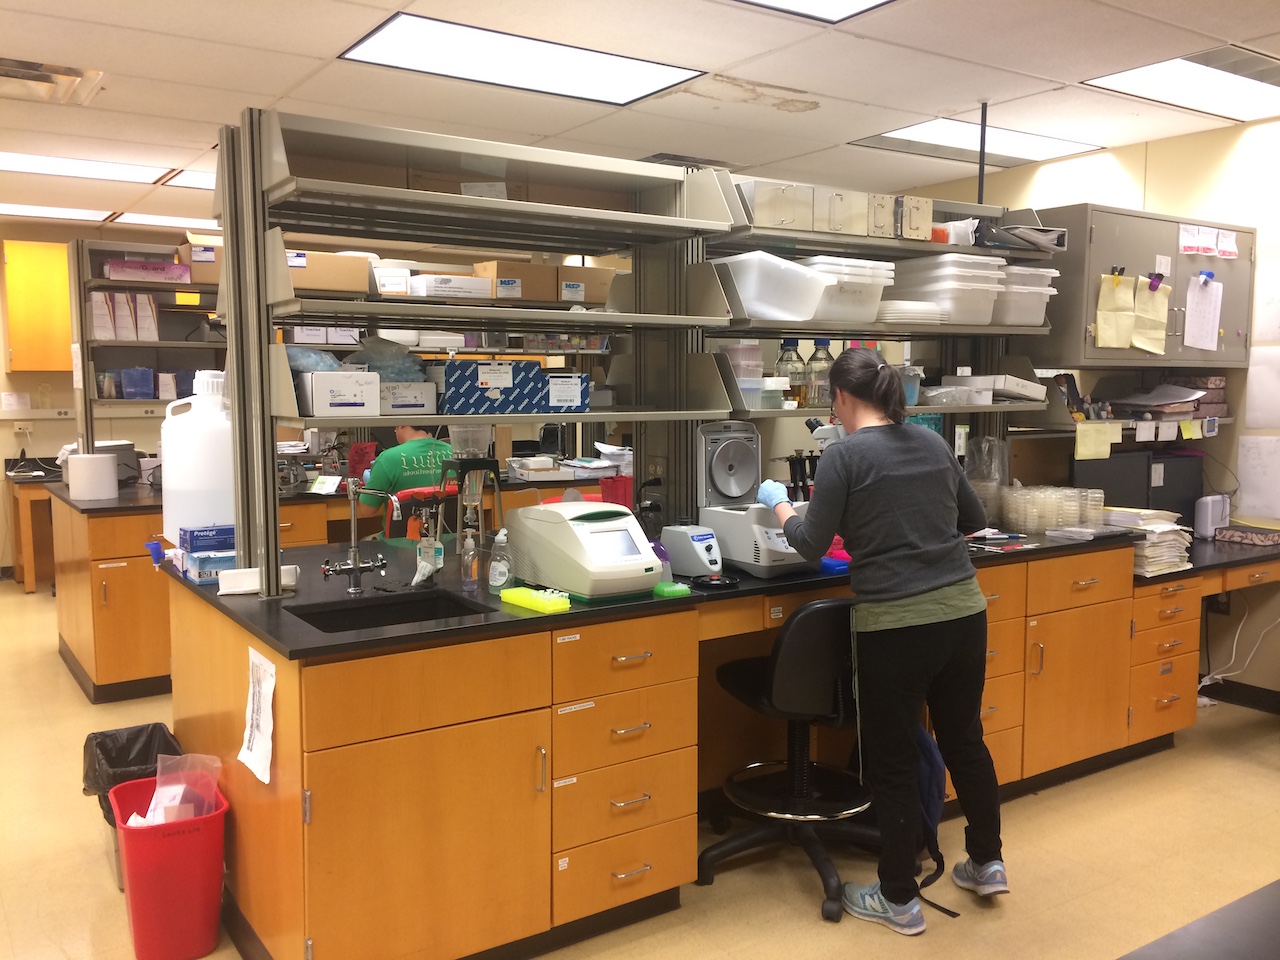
<point>752,389</point>
<point>775,289</point>
<point>970,304</point>
<point>1030,276</point>
<point>1021,306</point>
<point>911,377</point>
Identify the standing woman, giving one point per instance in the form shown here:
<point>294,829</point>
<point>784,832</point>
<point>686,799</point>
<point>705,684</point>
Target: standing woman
<point>899,498</point>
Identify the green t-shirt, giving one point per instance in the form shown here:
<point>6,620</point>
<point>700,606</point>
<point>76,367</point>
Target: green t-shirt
<point>412,464</point>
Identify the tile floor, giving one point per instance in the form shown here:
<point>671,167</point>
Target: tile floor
<point>1099,866</point>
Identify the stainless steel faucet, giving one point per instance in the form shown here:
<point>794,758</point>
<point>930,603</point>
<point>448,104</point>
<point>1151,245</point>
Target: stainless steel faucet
<point>353,566</point>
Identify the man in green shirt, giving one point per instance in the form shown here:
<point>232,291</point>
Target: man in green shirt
<point>413,462</point>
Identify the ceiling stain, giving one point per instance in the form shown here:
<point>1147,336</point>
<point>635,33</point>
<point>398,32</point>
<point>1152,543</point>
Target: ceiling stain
<point>733,90</point>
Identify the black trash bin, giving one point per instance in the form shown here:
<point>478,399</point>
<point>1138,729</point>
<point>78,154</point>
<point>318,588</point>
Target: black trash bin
<point>113,757</point>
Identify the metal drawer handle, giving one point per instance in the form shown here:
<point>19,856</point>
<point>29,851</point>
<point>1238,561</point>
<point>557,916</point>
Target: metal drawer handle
<point>285,526</point>
<point>631,873</point>
<point>644,726</point>
<point>1169,645</point>
<point>1181,586</point>
<point>1040,669</point>
<point>635,656</point>
<point>988,711</point>
<point>104,591</point>
<point>831,211</point>
<point>1087,583</point>
<point>992,653</point>
<point>991,596</point>
<point>541,788</point>
<point>1170,613</point>
<point>631,803</point>
<point>1264,575</point>
<point>1173,699</point>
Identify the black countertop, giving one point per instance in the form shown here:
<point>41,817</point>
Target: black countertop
<point>132,498</point>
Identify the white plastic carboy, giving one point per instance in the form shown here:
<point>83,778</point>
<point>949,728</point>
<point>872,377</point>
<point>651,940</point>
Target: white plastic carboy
<point>198,461</point>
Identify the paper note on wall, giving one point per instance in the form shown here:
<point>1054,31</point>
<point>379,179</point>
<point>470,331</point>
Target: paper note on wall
<point>1151,312</point>
<point>1258,469</point>
<point>1227,247</point>
<point>1204,314</point>
<point>1093,441</point>
<point>1144,431</point>
<point>1167,430</point>
<point>1262,387</point>
<point>255,752</point>
<point>1115,320</point>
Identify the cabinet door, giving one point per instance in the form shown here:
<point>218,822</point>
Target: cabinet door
<point>1162,696</point>
<point>37,293</point>
<point>1077,685</point>
<point>431,845</point>
<point>1132,242</point>
<point>130,620</point>
<point>1236,277</point>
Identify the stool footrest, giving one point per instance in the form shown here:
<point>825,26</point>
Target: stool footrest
<point>765,790</point>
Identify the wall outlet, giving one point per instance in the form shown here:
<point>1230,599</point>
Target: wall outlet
<point>655,467</point>
<point>23,426</point>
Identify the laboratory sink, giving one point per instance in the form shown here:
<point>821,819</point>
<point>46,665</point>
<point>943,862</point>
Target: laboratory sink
<point>384,610</point>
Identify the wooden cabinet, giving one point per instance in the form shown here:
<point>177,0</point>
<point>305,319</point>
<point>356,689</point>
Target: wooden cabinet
<point>112,610</point>
<point>1164,658</point>
<point>37,306</point>
<point>1253,575</point>
<point>1005,588</point>
<point>624,788</point>
<point>304,524</point>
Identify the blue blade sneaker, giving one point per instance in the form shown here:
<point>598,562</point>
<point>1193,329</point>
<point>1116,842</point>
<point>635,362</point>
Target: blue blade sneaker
<point>868,903</point>
<point>986,879</point>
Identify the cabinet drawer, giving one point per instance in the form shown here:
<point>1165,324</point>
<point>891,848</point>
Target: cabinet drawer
<point>608,658</point>
<point>609,873</point>
<point>1164,642</point>
<point>778,608</point>
<point>1160,611</point>
<point>1256,574</point>
<point>1002,703</point>
<point>624,797</point>
<point>1005,588</point>
<point>730,618</point>
<point>1079,579</point>
<point>123,534</point>
<point>1006,649</point>
<point>1211,583</point>
<point>1170,588</point>
<point>1162,696</point>
<point>357,700</point>
<point>624,726</point>
<point>1005,747</point>
<point>303,523</point>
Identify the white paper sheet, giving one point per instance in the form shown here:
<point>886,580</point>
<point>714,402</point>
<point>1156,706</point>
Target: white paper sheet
<point>1167,430</point>
<point>1258,467</point>
<point>255,753</point>
<point>1204,314</point>
<point>1262,388</point>
<point>1266,306</point>
<point>1144,431</point>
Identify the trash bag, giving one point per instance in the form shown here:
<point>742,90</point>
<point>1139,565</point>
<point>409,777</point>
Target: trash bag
<point>113,757</point>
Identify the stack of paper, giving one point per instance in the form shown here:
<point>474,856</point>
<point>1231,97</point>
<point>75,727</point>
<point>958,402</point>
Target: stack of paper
<point>1165,402</point>
<point>1165,546</point>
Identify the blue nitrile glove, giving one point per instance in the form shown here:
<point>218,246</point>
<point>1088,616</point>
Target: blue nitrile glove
<point>772,493</point>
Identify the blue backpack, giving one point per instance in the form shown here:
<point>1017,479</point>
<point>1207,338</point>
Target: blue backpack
<point>931,778</point>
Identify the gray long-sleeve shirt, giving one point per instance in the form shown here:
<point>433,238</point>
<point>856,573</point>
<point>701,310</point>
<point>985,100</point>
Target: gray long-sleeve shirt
<point>899,498</point>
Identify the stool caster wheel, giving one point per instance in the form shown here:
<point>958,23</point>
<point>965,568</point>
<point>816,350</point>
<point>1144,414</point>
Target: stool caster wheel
<point>832,910</point>
<point>719,823</point>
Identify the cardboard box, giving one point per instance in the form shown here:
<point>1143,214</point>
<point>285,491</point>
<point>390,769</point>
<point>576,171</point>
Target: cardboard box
<point>553,475</point>
<point>339,393</point>
<point>406,399</point>
<point>205,262</point>
<point>584,284</point>
<point>306,335</point>
<point>473,386</point>
<point>334,272</point>
<point>203,566</point>
<point>448,286</point>
<point>1001,384</point>
<point>567,392</point>
<point>197,539</point>
<point>137,383</point>
<point>520,281</point>
<point>152,270</point>
<point>343,335</point>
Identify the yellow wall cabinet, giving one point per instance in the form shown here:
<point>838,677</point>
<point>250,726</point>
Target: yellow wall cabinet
<point>37,306</point>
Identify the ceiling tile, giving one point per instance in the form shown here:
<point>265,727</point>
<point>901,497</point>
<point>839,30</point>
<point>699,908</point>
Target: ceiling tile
<point>1041,39</point>
<point>1269,45</point>
<point>1092,116</point>
<point>158,98</point>
<point>1236,21</point>
<point>727,102</point>
<point>138,53</point>
<point>402,121</point>
<point>91,148</point>
<point>839,65</point>
<point>107,125</point>
<point>176,202</point>
<point>431,98</point>
<point>46,191</point>
<point>865,168</point>
<point>696,34</point>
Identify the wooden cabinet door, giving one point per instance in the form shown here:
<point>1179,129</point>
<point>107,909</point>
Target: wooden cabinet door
<point>130,620</point>
<point>431,845</point>
<point>37,314</point>
<point>1077,685</point>
<point>1163,696</point>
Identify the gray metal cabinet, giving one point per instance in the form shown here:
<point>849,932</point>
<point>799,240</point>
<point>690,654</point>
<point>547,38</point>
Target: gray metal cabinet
<point>1100,238</point>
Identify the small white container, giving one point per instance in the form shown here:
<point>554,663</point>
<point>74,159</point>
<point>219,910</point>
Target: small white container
<point>1030,276</point>
<point>771,392</point>
<point>775,289</point>
<point>751,389</point>
<point>1021,306</point>
<point>967,304</point>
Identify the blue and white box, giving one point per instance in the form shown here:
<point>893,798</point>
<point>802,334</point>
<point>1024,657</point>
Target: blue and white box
<point>203,566</point>
<point>512,386</point>
<point>339,393</point>
<point>567,393</point>
<point>407,399</point>
<point>217,537</point>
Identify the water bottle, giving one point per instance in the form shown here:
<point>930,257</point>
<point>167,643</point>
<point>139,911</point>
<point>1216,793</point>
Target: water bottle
<point>817,372</point>
<point>501,569</point>
<point>470,564</point>
<point>790,365</point>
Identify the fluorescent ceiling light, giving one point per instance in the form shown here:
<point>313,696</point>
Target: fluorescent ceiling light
<point>830,11</point>
<point>1209,86</point>
<point>196,179</point>
<point>55,213</point>
<point>469,53</point>
<point>959,140</point>
<point>152,220</point>
<point>88,169</point>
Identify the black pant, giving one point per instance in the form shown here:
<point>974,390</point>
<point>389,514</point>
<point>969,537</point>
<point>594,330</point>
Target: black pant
<point>900,671</point>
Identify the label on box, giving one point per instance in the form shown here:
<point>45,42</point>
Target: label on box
<point>296,258</point>
<point>491,375</point>
<point>104,327</point>
<point>564,390</point>
<point>573,290</point>
<point>394,284</point>
<point>507,289</point>
<point>203,254</point>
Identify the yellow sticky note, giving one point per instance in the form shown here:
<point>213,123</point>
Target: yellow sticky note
<point>1093,440</point>
<point>1116,428</point>
<point>186,298</point>
<point>1191,429</point>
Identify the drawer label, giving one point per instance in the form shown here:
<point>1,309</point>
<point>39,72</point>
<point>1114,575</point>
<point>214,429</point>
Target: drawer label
<point>569,636</point>
<point>562,863</point>
<point>1166,668</point>
<point>775,613</point>
<point>565,782</point>
<point>108,566</point>
<point>577,706</point>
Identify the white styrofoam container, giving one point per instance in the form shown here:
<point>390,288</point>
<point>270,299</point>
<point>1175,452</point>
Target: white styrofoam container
<point>339,393</point>
<point>775,289</point>
<point>851,300</point>
<point>406,399</point>
<point>968,304</point>
<point>1029,276</point>
<point>1021,306</point>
